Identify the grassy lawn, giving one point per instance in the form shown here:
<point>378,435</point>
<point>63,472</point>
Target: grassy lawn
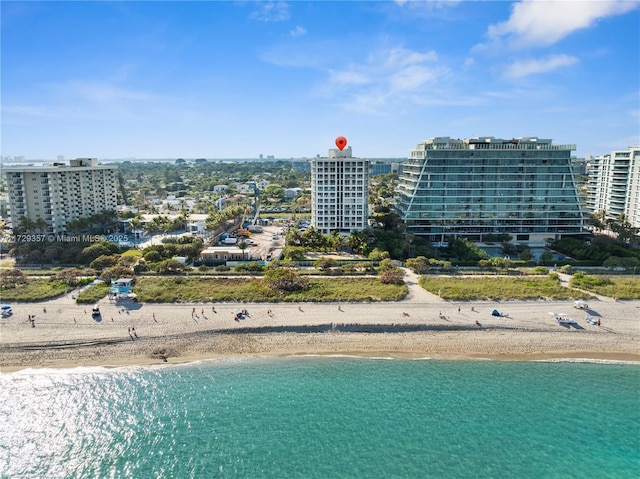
<point>620,287</point>
<point>93,293</point>
<point>180,289</point>
<point>466,289</point>
<point>35,289</point>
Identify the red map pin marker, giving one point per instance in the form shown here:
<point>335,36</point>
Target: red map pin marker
<point>341,142</point>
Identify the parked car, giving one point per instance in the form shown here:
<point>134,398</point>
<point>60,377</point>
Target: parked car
<point>95,311</point>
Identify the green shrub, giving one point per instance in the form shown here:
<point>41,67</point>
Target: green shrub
<point>392,276</point>
<point>93,293</point>
<point>249,268</point>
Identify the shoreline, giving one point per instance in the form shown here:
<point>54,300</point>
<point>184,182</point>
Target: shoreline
<point>66,335</point>
<point>149,363</point>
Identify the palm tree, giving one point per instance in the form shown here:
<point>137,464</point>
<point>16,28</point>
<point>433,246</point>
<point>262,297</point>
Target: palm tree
<point>336,240</point>
<point>243,246</point>
<point>24,226</point>
<point>358,241</point>
<point>40,225</point>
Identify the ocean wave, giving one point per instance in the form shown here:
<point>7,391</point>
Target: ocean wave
<point>587,360</point>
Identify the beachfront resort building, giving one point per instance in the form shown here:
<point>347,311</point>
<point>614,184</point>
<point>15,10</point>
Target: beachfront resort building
<point>613,189</point>
<point>486,187</point>
<point>339,192</point>
<point>58,193</point>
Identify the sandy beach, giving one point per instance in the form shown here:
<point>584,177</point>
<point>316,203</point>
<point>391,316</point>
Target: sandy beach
<point>64,334</point>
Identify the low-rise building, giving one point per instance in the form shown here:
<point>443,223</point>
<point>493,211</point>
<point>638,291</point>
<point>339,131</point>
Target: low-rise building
<point>216,255</point>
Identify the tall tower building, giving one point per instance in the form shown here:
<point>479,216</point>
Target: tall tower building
<point>614,185</point>
<point>486,186</point>
<point>58,193</point>
<point>339,192</point>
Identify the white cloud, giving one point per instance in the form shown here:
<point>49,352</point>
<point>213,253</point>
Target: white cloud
<point>400,57</point>
<point>349,78</point>
<point>298,31</point>
<point>271,12</point>
<point>393,76</point>
<point>105,93</point>
<point>427,5</point>
<point>542,23</point>
<point>28,110</point>
<point>522,68</point>
<point>412,77</point>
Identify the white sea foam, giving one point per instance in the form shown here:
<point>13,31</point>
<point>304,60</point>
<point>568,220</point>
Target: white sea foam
<point>587,360</point>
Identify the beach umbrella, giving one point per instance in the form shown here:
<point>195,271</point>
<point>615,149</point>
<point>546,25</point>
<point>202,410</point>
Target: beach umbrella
<point>5,307</point>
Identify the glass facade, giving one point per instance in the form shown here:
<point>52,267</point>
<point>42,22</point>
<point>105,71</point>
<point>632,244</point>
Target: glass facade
<point>486,186</point>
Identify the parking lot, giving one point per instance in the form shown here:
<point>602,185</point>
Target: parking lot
<point>268,245</point>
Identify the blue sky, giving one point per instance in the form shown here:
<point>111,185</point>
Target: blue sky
<point>238,79</point>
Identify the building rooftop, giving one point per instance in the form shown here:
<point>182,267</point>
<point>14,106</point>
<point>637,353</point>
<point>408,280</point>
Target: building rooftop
<point>491,143</point>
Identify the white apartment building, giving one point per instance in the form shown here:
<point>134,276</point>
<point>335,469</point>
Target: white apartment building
<point>614,185</point>
<point>339,192</point>
<point>58,193</point>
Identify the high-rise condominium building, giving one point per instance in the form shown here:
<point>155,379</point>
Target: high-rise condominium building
<point>614,185</point>
<point>339,192</point>
<point>58,193</point>
<point>486,186</point>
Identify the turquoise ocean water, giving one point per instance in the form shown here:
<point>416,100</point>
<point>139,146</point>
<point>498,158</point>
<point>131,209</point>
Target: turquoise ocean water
<point>319,417</point>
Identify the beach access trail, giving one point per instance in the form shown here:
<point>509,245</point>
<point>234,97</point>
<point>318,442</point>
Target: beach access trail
<point>64,334</point>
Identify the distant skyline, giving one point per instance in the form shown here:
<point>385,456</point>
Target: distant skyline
<point>214,79</point>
